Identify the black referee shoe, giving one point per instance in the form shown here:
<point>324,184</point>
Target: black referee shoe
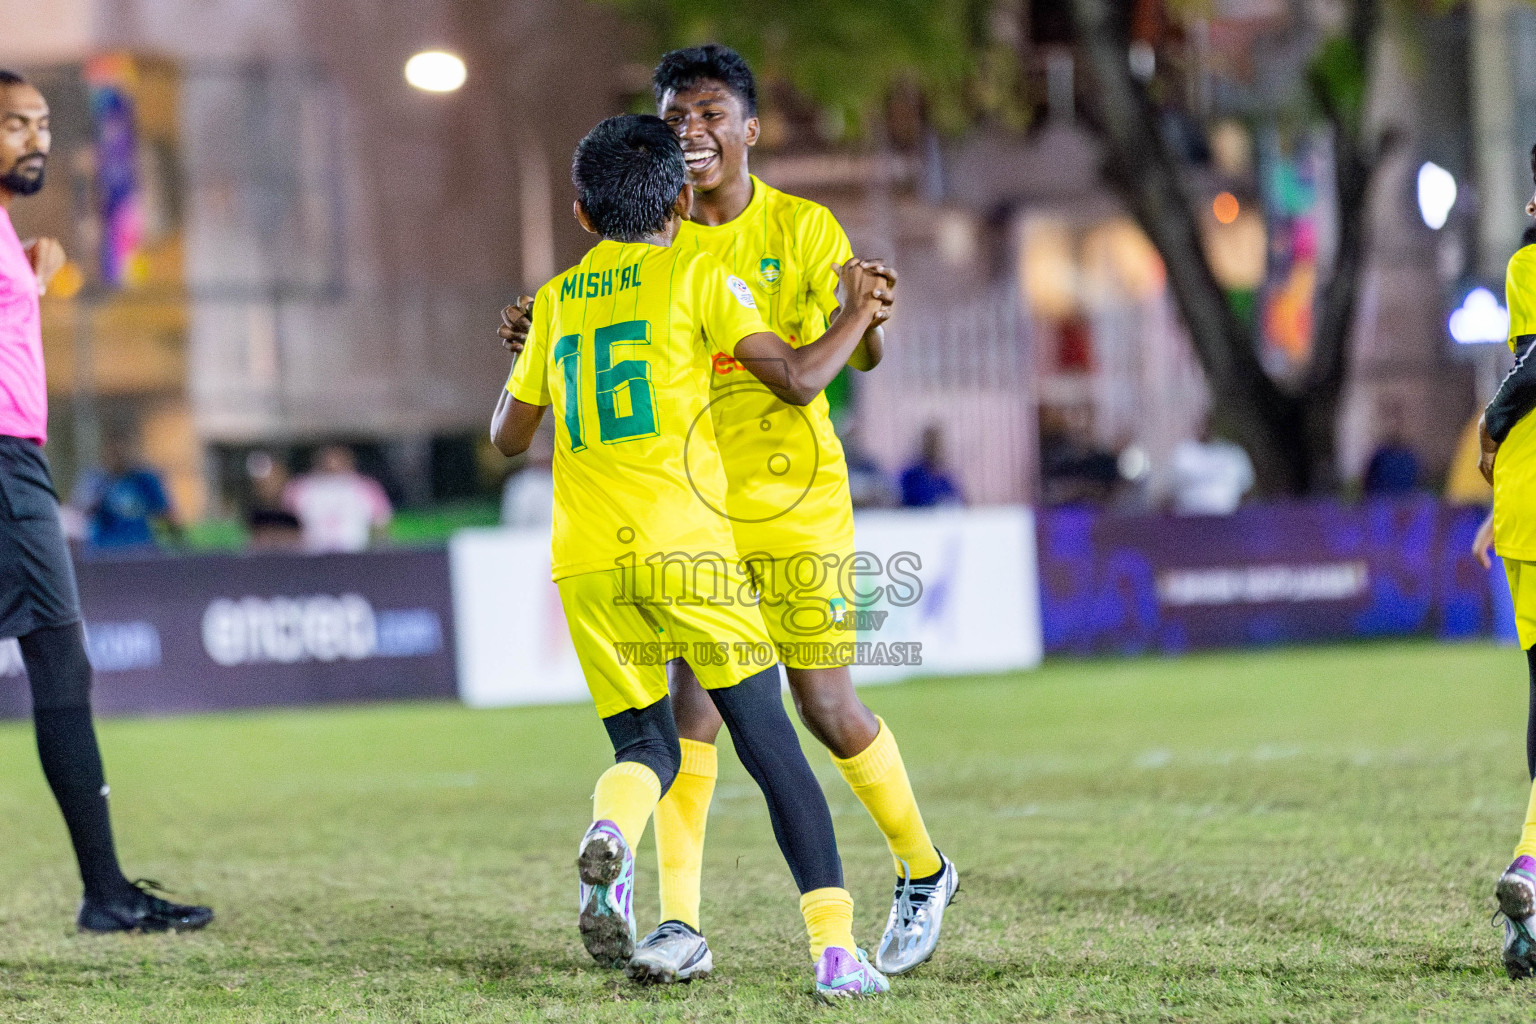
<point>138,909</point>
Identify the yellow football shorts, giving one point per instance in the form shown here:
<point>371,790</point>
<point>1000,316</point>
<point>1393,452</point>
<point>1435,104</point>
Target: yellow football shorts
<point>1522,587</point>
<point>626,624</point>
<point>805,607</point>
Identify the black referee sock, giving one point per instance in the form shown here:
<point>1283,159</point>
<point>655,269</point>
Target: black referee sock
<point>66,744</point>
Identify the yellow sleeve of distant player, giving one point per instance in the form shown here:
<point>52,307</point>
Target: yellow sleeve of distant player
<point>822,243</point>
<point>1520,293</point>
<point>530,374</point>
<point>727,310</point>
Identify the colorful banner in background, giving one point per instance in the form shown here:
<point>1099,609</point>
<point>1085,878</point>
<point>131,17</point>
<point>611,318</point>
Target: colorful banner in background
<point>1298,572</point>
<point>120,204</point>
<point>1294,174</point>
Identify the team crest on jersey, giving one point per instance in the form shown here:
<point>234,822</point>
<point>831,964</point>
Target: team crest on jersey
<point>768,273</point>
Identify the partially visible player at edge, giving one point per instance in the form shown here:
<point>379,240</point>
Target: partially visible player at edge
<point>623,346</point>
<point>39,601</point>
<point>1508,435</point>
<point>781,245</point>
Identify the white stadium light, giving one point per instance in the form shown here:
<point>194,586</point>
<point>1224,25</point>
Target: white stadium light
<point>1480,319</point>
<point>435,71</point>
<point>1437,194</point>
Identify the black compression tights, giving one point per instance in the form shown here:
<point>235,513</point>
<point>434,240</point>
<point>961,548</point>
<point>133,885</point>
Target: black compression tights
<point>649,737</point>
<point>60,675</point>
<point>1530,721</point>
<point>766,743</point>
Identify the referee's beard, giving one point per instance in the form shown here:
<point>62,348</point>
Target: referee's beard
<point>26,180</point>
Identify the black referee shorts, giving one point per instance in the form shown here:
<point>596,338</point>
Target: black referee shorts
<point>37,577</point>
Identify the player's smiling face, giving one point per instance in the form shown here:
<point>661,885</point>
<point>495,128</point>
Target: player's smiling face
<point>714,130</point>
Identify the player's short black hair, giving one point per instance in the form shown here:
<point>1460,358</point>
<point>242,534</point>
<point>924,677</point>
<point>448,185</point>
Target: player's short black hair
<point>681,69</point>
<point>10,78</point>
<point>628,172</point>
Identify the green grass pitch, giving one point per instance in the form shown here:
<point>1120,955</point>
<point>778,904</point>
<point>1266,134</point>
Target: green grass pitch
<point>1299,835</point>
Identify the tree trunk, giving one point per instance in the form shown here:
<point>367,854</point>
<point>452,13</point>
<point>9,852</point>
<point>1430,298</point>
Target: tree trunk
<point>1290,436</point>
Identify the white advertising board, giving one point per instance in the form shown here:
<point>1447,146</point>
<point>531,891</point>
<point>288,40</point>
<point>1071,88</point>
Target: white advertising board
<point>978,609</point>
<point>943,592</point>
<point>513,647</point>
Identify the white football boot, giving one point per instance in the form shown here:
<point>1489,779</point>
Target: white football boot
<point>917,916</point>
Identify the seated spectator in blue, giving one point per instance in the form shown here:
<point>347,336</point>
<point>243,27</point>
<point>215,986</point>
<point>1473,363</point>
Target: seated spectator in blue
<point>123,501</point>
<point>925,483</point>
<point>1394,466</point>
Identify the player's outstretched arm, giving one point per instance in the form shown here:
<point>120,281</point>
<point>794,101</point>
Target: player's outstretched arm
<point>798,375</point>
<point>513,424</point>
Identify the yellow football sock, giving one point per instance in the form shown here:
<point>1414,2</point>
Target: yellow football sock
<point>1527,845</point>
<point>626,794</point>
<point>879,780</point>
<point>680,820</point>
<point>828,917</point>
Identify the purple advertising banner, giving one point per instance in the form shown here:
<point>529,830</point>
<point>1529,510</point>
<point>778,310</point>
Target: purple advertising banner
<point>213,632</point>
<point>1293,572</point>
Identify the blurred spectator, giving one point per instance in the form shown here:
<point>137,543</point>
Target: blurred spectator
<point>1464,484</point>
<point>271,526</point>
<point>868,484</point>
<point>528,496</point>
<point>1073,469</point>
<point>1394,466</point>
<point>124,501</point>
<point>926,483</point>
<point>339,509</point>
<point>1210,476</point>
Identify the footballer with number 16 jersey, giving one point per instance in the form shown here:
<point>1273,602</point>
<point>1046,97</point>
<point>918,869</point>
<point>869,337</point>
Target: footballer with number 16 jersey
<point>790,512</point>
<point>622,347</point>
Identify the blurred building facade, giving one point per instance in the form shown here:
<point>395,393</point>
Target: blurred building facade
<point>334,244</point>
<point>320,249</point>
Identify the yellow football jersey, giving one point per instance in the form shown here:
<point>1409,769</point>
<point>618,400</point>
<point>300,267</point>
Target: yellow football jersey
<point>1514,469</point>
<point>623,345</point>
<point>787,478</point>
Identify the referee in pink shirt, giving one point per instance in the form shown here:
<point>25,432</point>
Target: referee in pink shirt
<point>39,602</point>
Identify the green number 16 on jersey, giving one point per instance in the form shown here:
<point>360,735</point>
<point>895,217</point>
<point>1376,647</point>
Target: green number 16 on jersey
<point>626,401</point>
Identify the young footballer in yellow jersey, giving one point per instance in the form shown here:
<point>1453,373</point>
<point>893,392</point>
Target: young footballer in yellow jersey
<point>790,512</point>
<point>622,347</point>
<point>1509,462</point>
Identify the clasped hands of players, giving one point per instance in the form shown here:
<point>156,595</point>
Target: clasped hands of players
<point>517,319</point>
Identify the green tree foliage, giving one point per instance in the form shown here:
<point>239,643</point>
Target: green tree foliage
<point>849,55</point>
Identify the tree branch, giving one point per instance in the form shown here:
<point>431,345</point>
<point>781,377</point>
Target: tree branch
<point>1147,176</point>
<point>1354,169</point>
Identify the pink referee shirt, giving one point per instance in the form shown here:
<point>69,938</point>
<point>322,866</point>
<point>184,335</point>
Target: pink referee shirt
<point>23,385</point>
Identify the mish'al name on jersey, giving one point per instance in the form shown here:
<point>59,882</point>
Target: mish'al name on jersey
<point>787,478</point>
<point>622,346</point>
